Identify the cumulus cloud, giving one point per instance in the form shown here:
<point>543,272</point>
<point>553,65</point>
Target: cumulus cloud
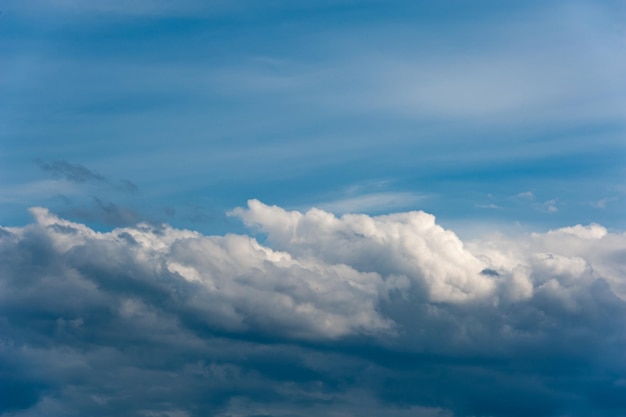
<point>232,281</point>
<point>408,245</point>
<point>352,315</point>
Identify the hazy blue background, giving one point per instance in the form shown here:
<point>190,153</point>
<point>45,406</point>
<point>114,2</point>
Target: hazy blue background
<point>483,112</point>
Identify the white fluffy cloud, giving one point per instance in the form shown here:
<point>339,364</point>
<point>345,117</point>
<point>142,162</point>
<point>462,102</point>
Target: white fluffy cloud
<point>231,281</point>
<point>324,277</point>
<point>412,245</point>
<point>407,245</point>
<point>492,294</point>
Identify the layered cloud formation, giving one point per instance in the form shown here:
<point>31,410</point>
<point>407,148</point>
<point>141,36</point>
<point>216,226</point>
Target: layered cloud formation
<point>324,315</point>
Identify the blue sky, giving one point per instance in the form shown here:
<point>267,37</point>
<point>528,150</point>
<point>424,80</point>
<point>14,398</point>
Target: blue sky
<point>386,106</point>
<point>343,208</point>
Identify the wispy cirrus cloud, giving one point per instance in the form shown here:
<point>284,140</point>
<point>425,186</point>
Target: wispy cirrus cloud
<point>71,172</point>
<point>489,206</point>
<point>375,202</point>
<point>104,212</point>
<point>80,174</point>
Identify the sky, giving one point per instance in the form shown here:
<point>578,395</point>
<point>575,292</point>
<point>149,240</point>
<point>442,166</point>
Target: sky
<point>343,208</point>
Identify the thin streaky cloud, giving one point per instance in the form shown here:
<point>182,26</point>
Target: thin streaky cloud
<point>80,174</point>
<point>373,202</point>
<point>71,172</point>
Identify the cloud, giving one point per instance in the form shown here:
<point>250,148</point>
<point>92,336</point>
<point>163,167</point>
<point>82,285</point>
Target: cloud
<point>488,206</point>
<point>408,245</point>
<point>348,315</point>
<point>603,202</point>
<point>106,213</point>
<point>233,280</point>
<point>71,172</point>
<point>526,195</point>
<point>549,206</point>
<point>128,186</point>
<point>80,174</point>
<point>515,77</point>
<point>372,202</point>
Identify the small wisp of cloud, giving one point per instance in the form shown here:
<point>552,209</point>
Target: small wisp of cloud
<point>528,195</point>
<point>489,206</point>
<point>80,174</point>
<point>70,172</point>
<point>602,203</point>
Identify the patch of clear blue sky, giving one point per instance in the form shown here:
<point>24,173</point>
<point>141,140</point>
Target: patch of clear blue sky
<point>487,112</point>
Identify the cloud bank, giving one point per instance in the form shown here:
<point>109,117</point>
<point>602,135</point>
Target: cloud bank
<point>351,315</point>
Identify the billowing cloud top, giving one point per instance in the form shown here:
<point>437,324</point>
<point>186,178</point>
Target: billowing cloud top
<point>87,316</point>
